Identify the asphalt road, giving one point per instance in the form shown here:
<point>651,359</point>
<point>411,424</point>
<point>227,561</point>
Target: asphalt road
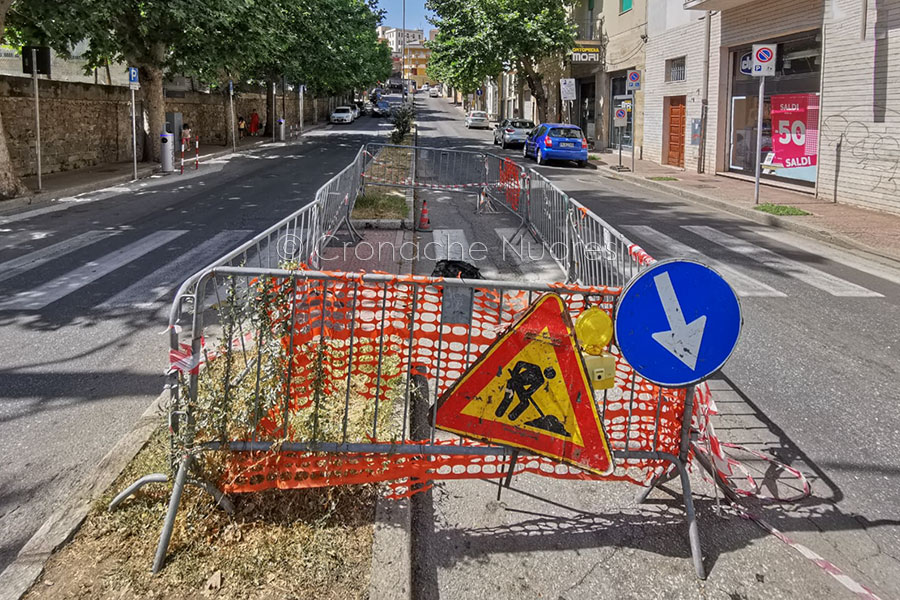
<point>816,369</point>
<point>84,286</point>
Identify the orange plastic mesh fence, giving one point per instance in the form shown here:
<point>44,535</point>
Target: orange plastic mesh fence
<point>358,354</point>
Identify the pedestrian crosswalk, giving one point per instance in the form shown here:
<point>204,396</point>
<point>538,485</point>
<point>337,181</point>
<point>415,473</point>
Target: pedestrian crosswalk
<point>755,271</point>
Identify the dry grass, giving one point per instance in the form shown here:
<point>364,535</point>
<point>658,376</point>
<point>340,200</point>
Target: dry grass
<point>312,543</point>
<point>378,204</point>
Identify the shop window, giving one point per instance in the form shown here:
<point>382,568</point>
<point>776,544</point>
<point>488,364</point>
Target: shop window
<point>624,5</point>
<point>675,69</point>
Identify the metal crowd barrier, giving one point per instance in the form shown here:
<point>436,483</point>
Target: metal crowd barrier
<point>306,378</point>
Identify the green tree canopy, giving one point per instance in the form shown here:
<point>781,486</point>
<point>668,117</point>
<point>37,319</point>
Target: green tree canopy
<point>482,38</point>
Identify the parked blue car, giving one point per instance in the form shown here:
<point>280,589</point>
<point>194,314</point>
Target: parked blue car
<point>556,141</point>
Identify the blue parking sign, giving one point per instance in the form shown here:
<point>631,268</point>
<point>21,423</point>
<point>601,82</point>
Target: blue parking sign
<point>132,75</point>
<point>677,323</point>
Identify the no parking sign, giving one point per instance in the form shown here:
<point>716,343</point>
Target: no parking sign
<point>633,80</point>
<point>763,60</point>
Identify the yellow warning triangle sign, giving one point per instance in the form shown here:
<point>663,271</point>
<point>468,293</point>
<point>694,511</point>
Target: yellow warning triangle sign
<point>530,390</point>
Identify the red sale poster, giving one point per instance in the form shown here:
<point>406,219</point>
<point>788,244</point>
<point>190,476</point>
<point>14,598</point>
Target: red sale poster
<point>795,133</point>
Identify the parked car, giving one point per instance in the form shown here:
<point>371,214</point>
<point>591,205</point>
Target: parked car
<point>512,131</point>
<point>355,110</point>
<point>477,118</point>
<point>433,93</point>
<point>382,108</point>
<point>425,87</point>
<point>368,108</point>
<point>342,114</point>
<point>556,141</point>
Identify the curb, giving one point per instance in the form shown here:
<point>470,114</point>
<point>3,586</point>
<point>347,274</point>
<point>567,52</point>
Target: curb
<point>391,577</point>
<point>380,223</point>
<point>59,528</point>
<point>762,218</point>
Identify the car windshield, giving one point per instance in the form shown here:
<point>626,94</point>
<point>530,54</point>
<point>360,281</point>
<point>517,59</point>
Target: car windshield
<point>479,114</point>
<point>521,124</point>
<point>568,133</point>
<point>342,109</point>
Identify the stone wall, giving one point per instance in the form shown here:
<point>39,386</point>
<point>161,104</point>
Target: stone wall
<point>85,124</point>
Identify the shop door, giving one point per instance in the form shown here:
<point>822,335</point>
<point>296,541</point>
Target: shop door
<point>676,131</point>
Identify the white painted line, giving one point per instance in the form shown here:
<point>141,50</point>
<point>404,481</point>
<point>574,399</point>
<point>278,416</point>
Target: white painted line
<point>744,285</point>
<point>814,277</point>
<point>450,244</point>
<point>72,281</point>
<point>32,260</point>
<point>149,291</point>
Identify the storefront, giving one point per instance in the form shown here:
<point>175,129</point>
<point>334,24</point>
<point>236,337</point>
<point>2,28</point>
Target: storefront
<point>585,67</point>
<point>789,150</point>
<point>620,98</point>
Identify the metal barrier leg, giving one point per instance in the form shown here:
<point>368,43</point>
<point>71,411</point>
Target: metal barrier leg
<point>693,532</point>
<point>134,487</point>
<point>166,535</point>
<point>657,481</point>
<point>218,495</point>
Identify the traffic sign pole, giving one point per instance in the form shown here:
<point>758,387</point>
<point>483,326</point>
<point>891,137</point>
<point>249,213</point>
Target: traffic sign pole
<point>133,137</point>
<point>633,112</point>
<point>37,117</point>
<point>759,124</point>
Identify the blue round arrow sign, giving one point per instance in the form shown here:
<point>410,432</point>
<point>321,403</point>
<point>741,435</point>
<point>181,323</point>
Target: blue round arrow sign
<point>677,323</point>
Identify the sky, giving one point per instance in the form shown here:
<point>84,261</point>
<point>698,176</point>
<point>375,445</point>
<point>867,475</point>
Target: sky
<point>415,14</point>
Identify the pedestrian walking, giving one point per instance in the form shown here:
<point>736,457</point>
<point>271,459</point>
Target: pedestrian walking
<point>242,127</point>
<point>186,133</point>
<point>254,123</point>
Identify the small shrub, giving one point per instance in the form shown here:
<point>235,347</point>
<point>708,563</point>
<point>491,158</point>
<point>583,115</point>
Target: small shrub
<point>403,119</point>
<point>782,210</point>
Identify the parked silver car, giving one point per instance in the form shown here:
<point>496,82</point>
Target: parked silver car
<point>477,118</point>
<point>512,131</point>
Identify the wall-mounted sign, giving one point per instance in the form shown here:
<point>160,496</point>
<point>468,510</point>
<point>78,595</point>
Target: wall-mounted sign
<point>747,64</point>
<point>633,81</point>
<point>585,55</point>
<point>567,89</point>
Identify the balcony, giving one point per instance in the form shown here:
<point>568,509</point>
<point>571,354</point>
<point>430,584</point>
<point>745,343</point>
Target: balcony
<point>587,29</point>
<point>713,4</point>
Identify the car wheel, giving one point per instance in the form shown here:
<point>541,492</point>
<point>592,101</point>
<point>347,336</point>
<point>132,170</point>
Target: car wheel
<point>540,157</point>
<point>582,163</point>
<point>525,150</point>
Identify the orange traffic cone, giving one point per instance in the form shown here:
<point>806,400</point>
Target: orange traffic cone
<point>424,222</point>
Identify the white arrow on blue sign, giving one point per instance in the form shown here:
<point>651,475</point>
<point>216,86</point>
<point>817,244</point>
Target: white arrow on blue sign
<point>677,323</point>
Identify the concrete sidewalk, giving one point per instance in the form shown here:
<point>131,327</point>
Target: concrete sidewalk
<point>838,223</point>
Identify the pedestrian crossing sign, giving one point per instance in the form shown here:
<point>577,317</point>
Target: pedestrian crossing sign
<point>531,390</point>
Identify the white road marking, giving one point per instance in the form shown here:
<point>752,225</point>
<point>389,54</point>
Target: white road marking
<point>149,291</point>
<point>450,244</point>
<point>744,285</point>
<point>32,260</point>
<point>72,281</point>
<point>814,277</point>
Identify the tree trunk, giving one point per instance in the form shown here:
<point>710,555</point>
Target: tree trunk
<point>520,92</point>
<point>10,185</point>
<point>155,97</point>
<point>535,84</point>
<point>270,108</point>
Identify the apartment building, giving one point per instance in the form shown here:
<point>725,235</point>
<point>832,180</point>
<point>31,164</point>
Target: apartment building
<point>415,63</point>
<point>395,36</point>
<point>831,114</point>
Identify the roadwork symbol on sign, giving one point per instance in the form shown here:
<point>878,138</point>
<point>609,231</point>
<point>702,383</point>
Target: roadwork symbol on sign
<point>530,390</point>
<point>677,323</point>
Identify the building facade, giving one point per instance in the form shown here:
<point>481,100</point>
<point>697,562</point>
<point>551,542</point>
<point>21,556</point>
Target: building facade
<point>394,36</point>
<point>831,113</point>
<point>415,63</point>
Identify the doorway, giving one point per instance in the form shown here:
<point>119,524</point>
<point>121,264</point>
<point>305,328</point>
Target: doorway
<point>676,123</point>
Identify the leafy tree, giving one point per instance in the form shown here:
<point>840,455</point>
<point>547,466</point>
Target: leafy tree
<point>147,34</point>
<point>481,38</point>
<point>10,185</point>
